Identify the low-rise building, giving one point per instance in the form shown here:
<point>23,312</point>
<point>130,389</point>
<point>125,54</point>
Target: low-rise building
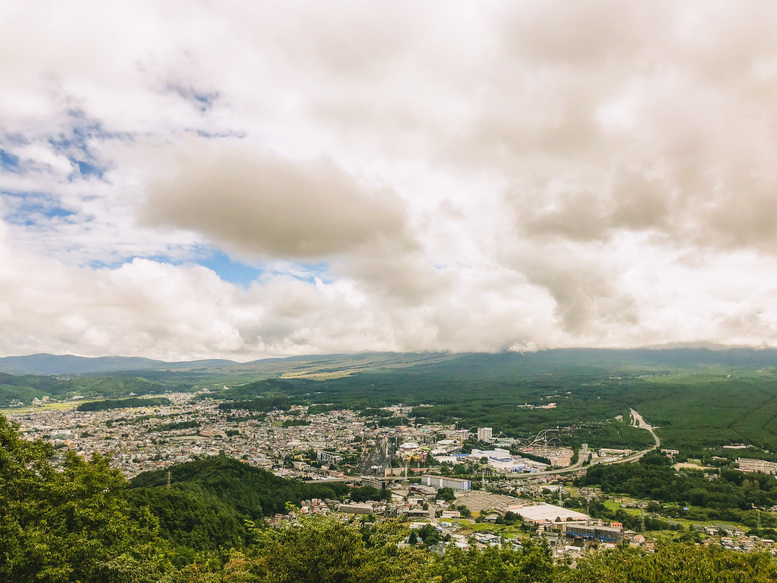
<point>444,482</point>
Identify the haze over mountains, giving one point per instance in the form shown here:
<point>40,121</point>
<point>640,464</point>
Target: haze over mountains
<point>51,364</point>
<point>342,364</point>
<point>69,364</point>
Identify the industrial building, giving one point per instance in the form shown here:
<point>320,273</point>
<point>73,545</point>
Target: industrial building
<point>601,533</point>
<point>754,465</point>
<point>443,482</point>
<point>542,513</point>
<point>355,508</point>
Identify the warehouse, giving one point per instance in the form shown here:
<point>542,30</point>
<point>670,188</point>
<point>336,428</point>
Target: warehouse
<point>542,513</point>
<point>602,533</point>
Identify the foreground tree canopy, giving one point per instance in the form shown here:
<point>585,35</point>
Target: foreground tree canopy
<point>83,523</point>
<point>69,525</point>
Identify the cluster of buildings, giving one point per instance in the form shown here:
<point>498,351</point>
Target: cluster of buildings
<point>291,443</point>
<point>754,465</point>
<point>332,444</point>
<point>140,439</point>
<point>500,460</point>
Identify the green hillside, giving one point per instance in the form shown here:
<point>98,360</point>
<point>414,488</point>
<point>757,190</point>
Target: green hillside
<point>252,492</point>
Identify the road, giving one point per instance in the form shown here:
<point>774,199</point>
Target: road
<point>642,424</point>
<point>639,421</point>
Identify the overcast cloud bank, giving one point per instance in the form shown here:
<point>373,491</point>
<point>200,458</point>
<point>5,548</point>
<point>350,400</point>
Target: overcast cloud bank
<point>456,177</point>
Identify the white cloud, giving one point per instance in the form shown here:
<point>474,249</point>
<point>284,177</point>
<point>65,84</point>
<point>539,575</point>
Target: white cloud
<point>515,174</point>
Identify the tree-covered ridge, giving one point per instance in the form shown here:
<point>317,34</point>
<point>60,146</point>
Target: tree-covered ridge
<point>130,403</point>
<point>16,389</point>
<point>253,491</point>
<point>191,517</point>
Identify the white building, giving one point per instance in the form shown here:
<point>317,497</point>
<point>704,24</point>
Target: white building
<point>443,482</point>
<point>485,434</point>
<point>541,513</point>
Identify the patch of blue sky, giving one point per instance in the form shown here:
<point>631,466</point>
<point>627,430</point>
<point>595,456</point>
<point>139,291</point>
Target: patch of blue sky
<point>8,161</point>
<point>33,208</point>
<point>314,271</point>
<point>88,169</point>
<point>78,137</point>
<point>244,273</point>
<point>75,143</point>
<point>228,270</point>
<point>232,271</point>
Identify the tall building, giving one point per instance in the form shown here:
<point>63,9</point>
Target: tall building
<point>485,434</point>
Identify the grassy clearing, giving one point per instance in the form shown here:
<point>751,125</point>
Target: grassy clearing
<point>613,505</point>
<point>59,406</point>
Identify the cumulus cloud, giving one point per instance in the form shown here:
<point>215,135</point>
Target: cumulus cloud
<point>256,202</point>
<point>508,175</point>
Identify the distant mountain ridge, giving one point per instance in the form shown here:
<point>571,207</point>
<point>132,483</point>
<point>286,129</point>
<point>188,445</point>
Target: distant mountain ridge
<point>329,365</point>
<point>57,364</point>
<point>322,364</point>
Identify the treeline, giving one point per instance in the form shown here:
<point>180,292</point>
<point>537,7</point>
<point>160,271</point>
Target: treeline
<point>132,402</point>
<point>262,404</point>
<point>295,423</point>
<point>629,520</point>
<point>264,387</point>
<point>366,493</point>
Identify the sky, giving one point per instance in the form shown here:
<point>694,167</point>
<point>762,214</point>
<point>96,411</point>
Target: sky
<point>245,179</point>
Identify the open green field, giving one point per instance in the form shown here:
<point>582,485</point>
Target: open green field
<point>58,406</point>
